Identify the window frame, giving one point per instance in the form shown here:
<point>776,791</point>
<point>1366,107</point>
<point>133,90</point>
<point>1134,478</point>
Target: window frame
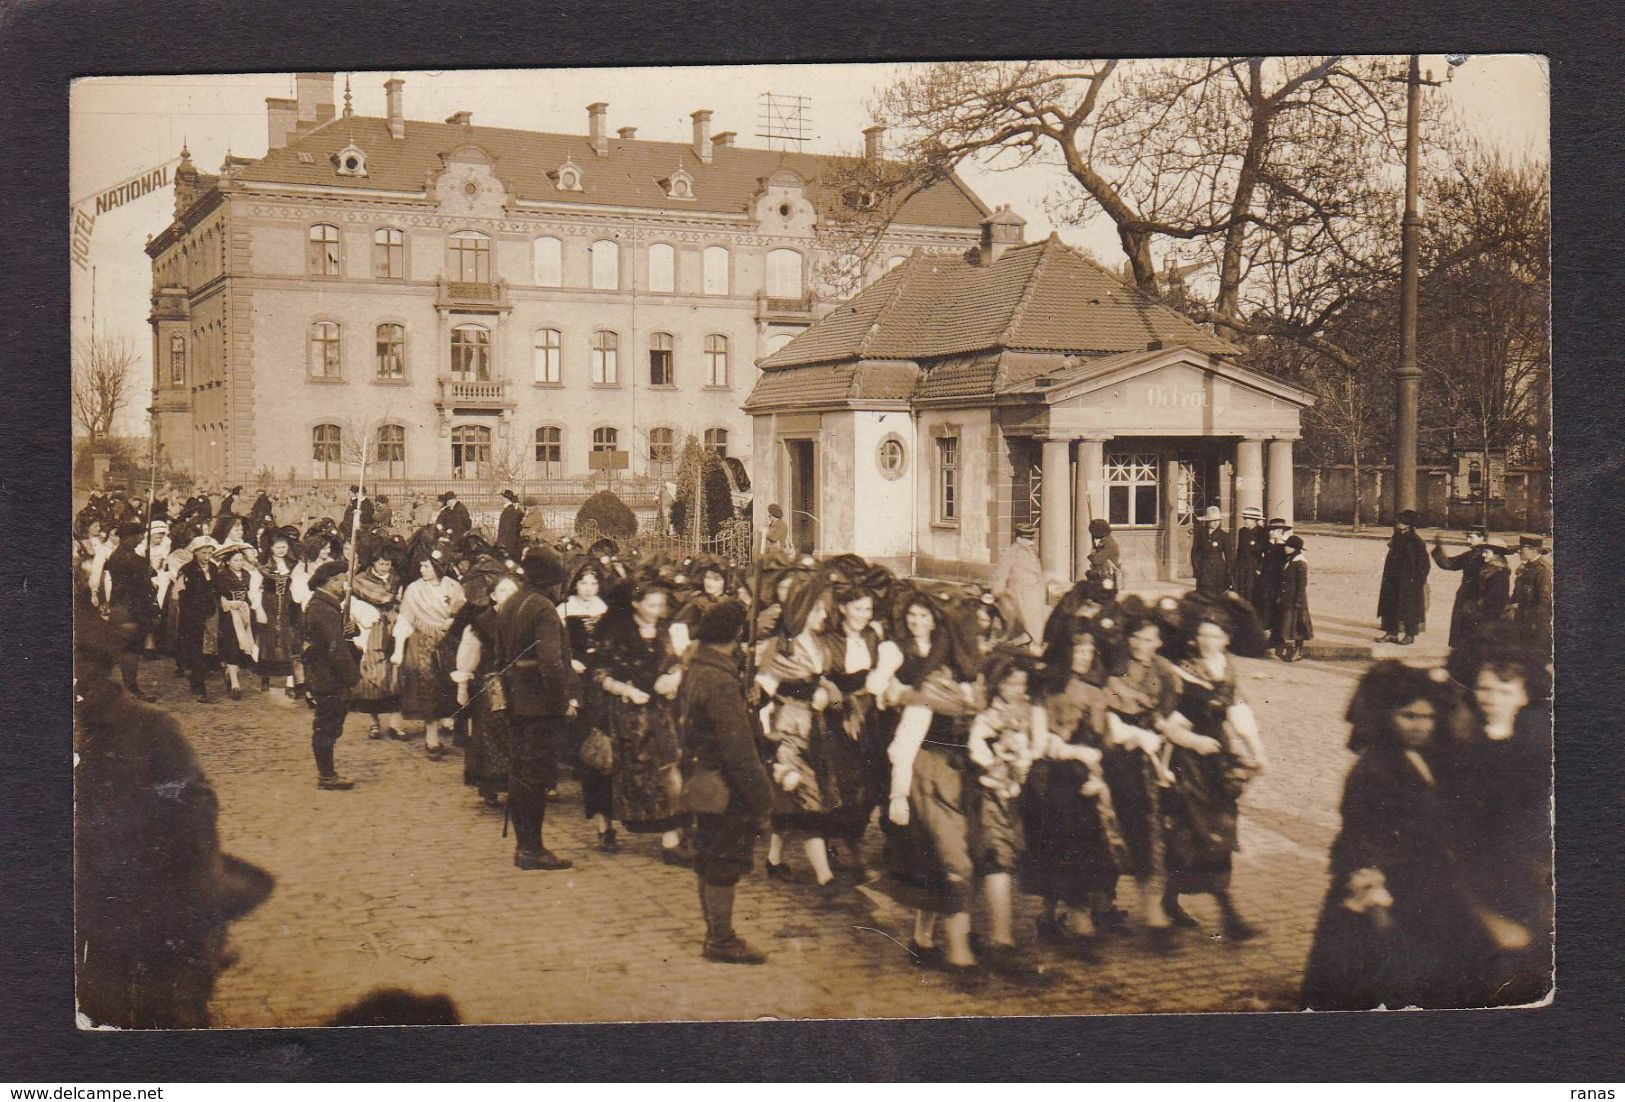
<point>605,438</point>
<point>669,354</point>
<point>395,465</point>
<point>378,352</point>
<point>669,270</point>
<point>320,261</point>
<point>482,437</point>
<point>557,444</point>
<point>708,441</point>
<point>666,466</point>
<point>393,253</point>
<point>778,291</point>
<point>327,452</point>
<point>707,285</point>
<point>606,358</point>
<point>1127,471</point>
<point>457,254</point>
<point>718,355</point>
<point>613,252</point>
<point>554,355</point>
<point>484,360</point>
<point>177,359</point>
<point>324,343</point>
<point>536,260</point>
<point>946,482</point>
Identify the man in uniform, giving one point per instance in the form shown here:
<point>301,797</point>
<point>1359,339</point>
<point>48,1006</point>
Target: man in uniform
<point>132,601</point>
<point>541,687</point>
<point>453,518</point>
<point>510,524</point>
<point>1267,581</point>
<point>332,668</point>
<point>1251,539</point>
<point>1532,595</point>
<point>1402,600</point>
<point>1211,553</point>
<point>1475,604</point>
<point>726,786</point>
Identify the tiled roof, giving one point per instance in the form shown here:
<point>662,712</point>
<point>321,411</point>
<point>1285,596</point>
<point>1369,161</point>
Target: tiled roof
<point>833,384</point>
<point>1041,297</point>
<point>630,175</point>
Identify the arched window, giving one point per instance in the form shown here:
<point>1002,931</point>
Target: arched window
<point>893,261</point>
<point>388,254</point>
<point>606,358</point>
<point>661,371</point>
<point>783,274</point>
<point>606,266</point>
<point>549,262</point>
<point>470,451</point>
<point>550,452</point>
<point>177,360</point>
<point>391,457</point>
<point>716,270</point>
<point>324,350</point>
<point>391,351</point>
<point>322,251</point>
<point>716,360</point>
<point>716,440</point>
<point>469,257</point>
<point>471,353</point>
<point>662,268</point>
<point>326,452</point>
<point>606,440</point>
<point>662,452</point>
<point>548,356</point>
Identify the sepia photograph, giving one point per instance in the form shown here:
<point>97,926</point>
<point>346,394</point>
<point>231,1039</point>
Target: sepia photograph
<point>785,542</point>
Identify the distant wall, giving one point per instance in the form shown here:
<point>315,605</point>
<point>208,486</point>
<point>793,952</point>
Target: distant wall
<point>1327,494</point>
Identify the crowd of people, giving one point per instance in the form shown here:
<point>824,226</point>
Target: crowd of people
<point>997,745</point>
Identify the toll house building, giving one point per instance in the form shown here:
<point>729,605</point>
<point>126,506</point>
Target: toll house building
<point>960,397</point>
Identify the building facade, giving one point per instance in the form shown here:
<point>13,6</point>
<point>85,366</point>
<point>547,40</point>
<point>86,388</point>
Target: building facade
<point>961,396</point>
<point>467,301</point>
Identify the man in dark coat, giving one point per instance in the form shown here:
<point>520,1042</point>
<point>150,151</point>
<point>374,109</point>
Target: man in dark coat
<point>332,667</point>
<point>510,525</point>
<point>1267,581</point>
<point>1483,590</point>
<point>1211,553</point>
<point>133,601</point>
<point>153,893</point>
<point>1402,601</point>
<point>383,515</point>
<point>228,504</point>
<point>259,516</point>
<point>1251,539</point>
<point>1295,627</point>
<point>542,692</point>
<point>453,518</point>
<point>1532,595</point>
<point>358,501</point>
<point>726,786</point>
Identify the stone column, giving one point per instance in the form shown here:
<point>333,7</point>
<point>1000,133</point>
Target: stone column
<point>1280,481</point>
<point>1055,522</point>
<point>1249,475</point>
<point>1088,498</point>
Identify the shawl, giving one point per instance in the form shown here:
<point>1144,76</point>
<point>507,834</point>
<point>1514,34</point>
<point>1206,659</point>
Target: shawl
<point>367,586</point>
<point>430,606</point>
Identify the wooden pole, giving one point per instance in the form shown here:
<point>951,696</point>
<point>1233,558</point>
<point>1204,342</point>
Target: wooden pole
<point>355,525</point>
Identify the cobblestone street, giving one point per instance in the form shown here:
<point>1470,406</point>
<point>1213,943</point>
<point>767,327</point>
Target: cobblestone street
<point>406,881</point>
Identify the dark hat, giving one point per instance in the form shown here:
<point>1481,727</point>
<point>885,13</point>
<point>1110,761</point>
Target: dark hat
<point>1099,528</point>
<point>775,510</point>
<point>1535,541</point>
<point>511,496</point>
<point>542,567</point>
<point>326,572</point>
<point>447,496</point>
<point>1476,530</point>
<point>721,623</point>
<point>1408,516</point>
<point>1295,542</point>
<point>131,530</point>
<point>236,489</point>
<point>355,489</point>
<point>1278,522</point>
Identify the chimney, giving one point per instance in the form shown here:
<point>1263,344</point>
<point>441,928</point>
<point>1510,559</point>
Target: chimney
<point>1000,230</point>
<point>461,118</point>
<point>598,128</point>
<point>702,135</point>
<point>392,95</point>
<point>313,95</point>
<point>1153,346</point>
<point>874,145</point>
<point>627,133</point>
<point>280,117</point>
<point>724,140</point>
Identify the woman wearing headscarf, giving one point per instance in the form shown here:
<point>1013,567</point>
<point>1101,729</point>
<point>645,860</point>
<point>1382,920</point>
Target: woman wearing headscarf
<point>582,610</point>
<point>1394,913</point>
<point>427,609</point>
<point>478,677</point>
<point>374,598</point>
<point>928,677</point>
<point>234,588</point>
<point>278,619</point>
<point>639,674</point>
<point>1210,763</point>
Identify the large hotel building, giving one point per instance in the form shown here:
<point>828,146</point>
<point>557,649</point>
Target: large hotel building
<point>475,301</point>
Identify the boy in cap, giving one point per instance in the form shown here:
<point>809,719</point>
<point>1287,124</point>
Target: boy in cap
<point>332,667</point>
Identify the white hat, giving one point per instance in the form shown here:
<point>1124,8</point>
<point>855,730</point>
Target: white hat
<point>1212,513</point>
<point>201,543</point>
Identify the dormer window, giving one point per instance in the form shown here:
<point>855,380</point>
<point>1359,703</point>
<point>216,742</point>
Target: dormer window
<point>350,161</point>
<point>680,185</point>
<point>568,177</point>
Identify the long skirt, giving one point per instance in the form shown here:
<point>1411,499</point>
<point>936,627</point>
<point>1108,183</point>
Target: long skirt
<point>997,839</point>
<point>928,861</point>
<point>377,690</point>
<point>827,763</point>
<point>648,786</point>
<point>231,649</point>
<point>1199,817</point>
<point>487,758</point>
<point>278,640</point>
<point>427,691</point>
<point>1134,793</point>
<point>1356,965</point>
<point>1075,850</point>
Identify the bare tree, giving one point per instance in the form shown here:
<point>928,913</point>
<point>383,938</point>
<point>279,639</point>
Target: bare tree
<point>102,370</point>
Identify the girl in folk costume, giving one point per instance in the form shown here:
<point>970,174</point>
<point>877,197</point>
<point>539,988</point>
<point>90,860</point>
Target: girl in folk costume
<point>583,609</point>
<point>639,674</point>
<point>1145,697</point>
<point>1296,627</point>
<point>478,678</point>
<point>815,766</point>
<point>1394,915</point>
<point>374,598</point>
<point>1075,849</point>
<point>928,678</point>
<point>1002,746</point>
<point>198,621</point>
<point>1210,763</point>
<point>427,609</point>
<point>234,585</point>
<point>229,529</point>
<point>279,616</point>
<point>852,641</point>
<point>712,578</point>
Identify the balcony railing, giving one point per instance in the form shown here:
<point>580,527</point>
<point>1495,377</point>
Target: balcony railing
<point>794,308</point>
<point>455,292</point>
<point>474,392</point>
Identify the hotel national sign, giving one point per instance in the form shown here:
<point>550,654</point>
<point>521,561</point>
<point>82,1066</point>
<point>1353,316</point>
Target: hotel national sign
<point>82,217</point>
